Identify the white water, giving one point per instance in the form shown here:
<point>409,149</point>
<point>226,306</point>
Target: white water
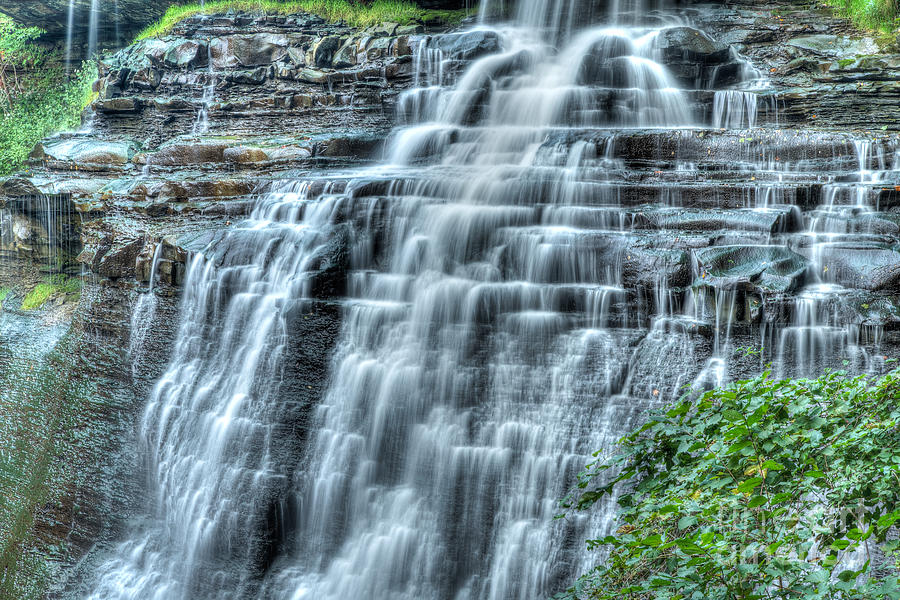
<point>70,33</point>
<point>94,28</point>
<point>201,125</point>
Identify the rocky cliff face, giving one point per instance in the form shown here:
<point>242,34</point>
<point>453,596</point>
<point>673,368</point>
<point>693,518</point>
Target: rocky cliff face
<point>185,132</point>
<point>188,129</point>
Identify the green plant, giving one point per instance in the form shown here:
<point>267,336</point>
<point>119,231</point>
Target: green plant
<point>352,13</point>
<point>763,489</point>
<point>873,14</point>
<point>54,285</point>
<point>36,97</point>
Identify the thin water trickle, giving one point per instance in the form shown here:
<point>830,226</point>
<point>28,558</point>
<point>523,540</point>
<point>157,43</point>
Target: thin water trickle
<point>201,125</point>
<point>143,313</point>
<point>93,28</point>
<point>70,34</point>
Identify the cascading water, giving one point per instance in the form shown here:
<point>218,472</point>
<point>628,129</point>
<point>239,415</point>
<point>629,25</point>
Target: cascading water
<point>70,35</point>
<point>93,28</point>
<point>201,125</point>
<point>493,334</point>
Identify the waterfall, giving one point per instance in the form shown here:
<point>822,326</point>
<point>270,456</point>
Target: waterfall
<point>93,28</point>
<point>201,125</point>
<point>508,311</point>
<point>70,33</point>
<point>142,315</point>
<point>210,424</point>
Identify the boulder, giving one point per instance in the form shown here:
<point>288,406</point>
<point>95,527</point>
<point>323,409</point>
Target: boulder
<point>261,49</point>
<point>769,268</point>
<point>244,155</point>
<point>467,45</point>
<point>686,43</point>
<point>181,54</point>
<point>181,153</point>
<point>86,152</point>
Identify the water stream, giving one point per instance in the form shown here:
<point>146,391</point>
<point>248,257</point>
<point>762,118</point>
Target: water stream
<point>506,314</point>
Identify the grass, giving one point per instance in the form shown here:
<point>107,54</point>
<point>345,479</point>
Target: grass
<point>350,12</point>
<point>55,285</point>
<point>870,14</point>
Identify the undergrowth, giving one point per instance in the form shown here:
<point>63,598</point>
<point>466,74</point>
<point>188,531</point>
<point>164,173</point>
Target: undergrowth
<point>765,489</point>
<point>871,14</point>
<point>37,98</point>
<point>350,12</point>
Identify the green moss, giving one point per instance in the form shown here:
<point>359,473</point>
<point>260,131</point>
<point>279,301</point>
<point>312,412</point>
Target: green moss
<point>352,13</point>
<point>4,292</point>
<point>56,285</point>
<point>871,14</point>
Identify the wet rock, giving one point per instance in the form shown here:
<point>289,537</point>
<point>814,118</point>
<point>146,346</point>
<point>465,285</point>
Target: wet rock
<point>115,259</point>
<point>770,268</point>
<point>183,54</point>
<point>834,45</point>
<point>328,276</point>
<point>118,105</point>
<point>867,266</point>
<point>345,56</point>
<point>182,153</point>
<point>245,155</point>
<point>679,44</point>
<point>467,45</point>
<point>85,152</point>
<point>256,50</point>
<point>18,186</point>
<point>322,53</point>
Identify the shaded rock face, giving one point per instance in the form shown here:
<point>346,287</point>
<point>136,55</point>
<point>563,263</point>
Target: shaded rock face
<point>53,16</point>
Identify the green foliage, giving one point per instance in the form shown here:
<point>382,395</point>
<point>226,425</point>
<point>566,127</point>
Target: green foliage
<point>4,292</point>
<point>872,14</point>
<point>350,12</point>
<point>56,285</point>
<point>763,489</point>
<point>36,97</point>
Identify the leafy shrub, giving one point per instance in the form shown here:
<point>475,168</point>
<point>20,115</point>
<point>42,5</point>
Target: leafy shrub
<point>764,489</point>
<point>874,14</point>
<point>36,97</point>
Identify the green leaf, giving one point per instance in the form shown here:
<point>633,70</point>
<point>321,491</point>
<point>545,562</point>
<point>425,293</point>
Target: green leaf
<point>750,485</point>
<point>688,546</point>
<point>757,501</point>
<point>840,544</point>
<point>814,474</point>
<point>733,415</point>
<point>685,522</point>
